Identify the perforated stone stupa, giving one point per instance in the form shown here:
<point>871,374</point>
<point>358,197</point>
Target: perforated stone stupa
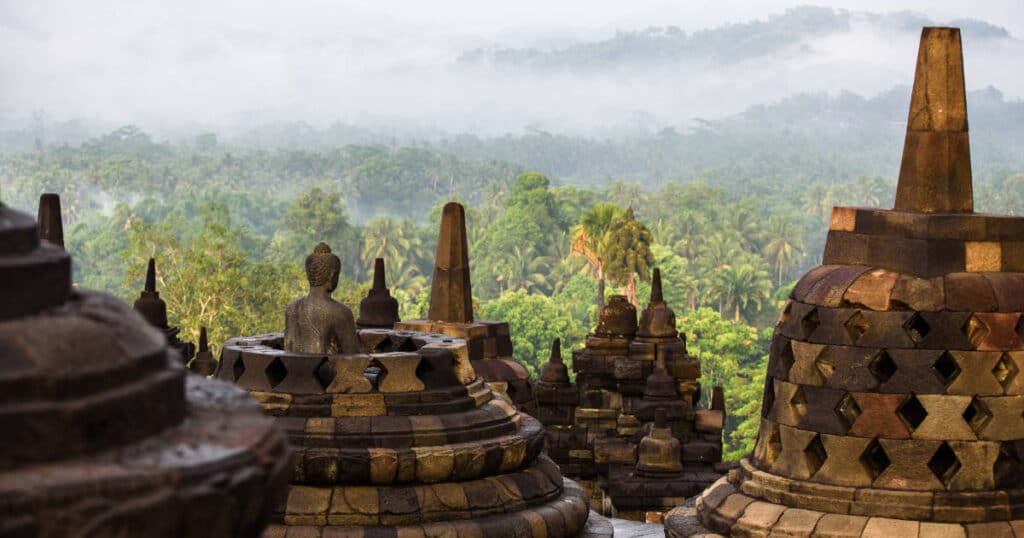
<point>405,439</point>
<point>604,429</point>
<point>103,434</point>
<point>894,399</point>
<point>451,313</point>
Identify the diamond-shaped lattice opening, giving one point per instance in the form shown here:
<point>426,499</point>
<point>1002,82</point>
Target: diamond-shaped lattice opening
<point>768,399</point>
<point>917,328</point>
<point>825,364</point>
<point>374,373</point>
<point>944,463</point>
<point>799,402</point>
<point>324,374</point>
<point>810,322</point>
<point>913,412</point>
<point>1020,328</point>
<point>787,311</point>
<point>947,368</point>
<point>238,368</point>
<point>882,367</point>
<point>874,458</point>
<point>847,410</point>
<point>1007,468</point>
<point>977,415</point>
<point>815,454</point>
<point>857,325</point>
<point>770,446</point>
<point>976,330</point>
<point>786,358</point>
<point>1005,370</point>
<point>276,372</point>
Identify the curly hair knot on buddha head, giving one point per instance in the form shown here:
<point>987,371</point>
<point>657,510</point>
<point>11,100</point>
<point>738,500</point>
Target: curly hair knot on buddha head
<point>322,266</point>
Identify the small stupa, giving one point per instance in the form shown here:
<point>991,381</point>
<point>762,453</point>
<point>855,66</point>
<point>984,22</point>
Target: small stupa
<point>203,364</point>
<point>154,310</point>
<point>378,310</point>
<point>894,397</point>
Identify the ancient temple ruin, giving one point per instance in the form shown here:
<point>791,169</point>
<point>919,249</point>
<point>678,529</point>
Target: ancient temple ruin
<point>631,428</point>
<point>104,434</point>
<point>451,313</point>
<point>894,398</point>
<point>402,439</point>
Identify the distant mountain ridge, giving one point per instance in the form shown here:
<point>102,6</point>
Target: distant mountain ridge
<point>730,43</point>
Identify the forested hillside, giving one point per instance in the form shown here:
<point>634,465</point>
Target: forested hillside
<point>230,225</point>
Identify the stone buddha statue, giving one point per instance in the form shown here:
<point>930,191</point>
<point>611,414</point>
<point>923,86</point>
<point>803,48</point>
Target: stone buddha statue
<point>317,323</point>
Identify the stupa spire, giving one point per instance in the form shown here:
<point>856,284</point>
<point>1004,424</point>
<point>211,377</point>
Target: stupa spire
<point>51,227</point>
<point>656,295</point>
<point>451,294</point>
<point>935,174</point>
<point>378,274</point>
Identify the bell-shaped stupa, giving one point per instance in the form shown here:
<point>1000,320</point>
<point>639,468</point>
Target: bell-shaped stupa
<point>103,434</point>
<point>894,400</point>
<point>404,439</point>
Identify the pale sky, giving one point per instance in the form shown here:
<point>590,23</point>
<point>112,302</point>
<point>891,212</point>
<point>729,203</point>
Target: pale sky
<point>215,62</point>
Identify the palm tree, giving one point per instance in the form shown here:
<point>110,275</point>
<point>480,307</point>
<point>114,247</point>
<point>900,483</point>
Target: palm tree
<point>816,200</point>
<point>383,237</point>
<point>869,191</point>
<point>589,238</point>
<point>522,269</point>
<point>785,247</point>
<point>738,285</point>
<point>628,253</point>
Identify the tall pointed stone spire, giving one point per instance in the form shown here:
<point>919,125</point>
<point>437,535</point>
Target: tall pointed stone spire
<point>656,295</point>
<point>451,294</point>
<point>935,175</point>
<point>51,227</point>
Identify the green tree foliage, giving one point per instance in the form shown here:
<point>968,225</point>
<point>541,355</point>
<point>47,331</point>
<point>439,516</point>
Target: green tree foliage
<point>534,320</point>
<point>734,357</point>
<point>628,253</point>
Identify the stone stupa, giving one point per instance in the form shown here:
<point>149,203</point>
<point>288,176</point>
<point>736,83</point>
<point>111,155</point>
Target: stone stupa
<point>604,429</point>
<point>895,393</point>
<point>404,442</point>
<point>104,434</point>
<point>451,314</point>
<point>154,310</point>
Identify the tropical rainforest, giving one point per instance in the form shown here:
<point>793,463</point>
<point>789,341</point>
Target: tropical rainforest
<point>731,210</point>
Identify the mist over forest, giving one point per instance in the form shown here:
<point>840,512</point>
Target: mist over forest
<point>714,153</point>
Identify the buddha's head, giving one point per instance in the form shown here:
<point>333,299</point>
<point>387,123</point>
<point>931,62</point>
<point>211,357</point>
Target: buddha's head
<point>323,268</point>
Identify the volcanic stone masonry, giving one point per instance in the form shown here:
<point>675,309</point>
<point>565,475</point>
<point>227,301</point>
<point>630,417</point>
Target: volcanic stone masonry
<point>451,313</point>
<point>405,440</point>
<point>894,401</point>
<point>631,428</point>
<point>103,433</point>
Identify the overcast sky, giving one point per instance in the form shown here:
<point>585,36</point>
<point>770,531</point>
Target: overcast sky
<point>211,62</point>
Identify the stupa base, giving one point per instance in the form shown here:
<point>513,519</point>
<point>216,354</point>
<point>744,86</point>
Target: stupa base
<point>725,509</point>
<point>216,474</point>
<point>565,516</point>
